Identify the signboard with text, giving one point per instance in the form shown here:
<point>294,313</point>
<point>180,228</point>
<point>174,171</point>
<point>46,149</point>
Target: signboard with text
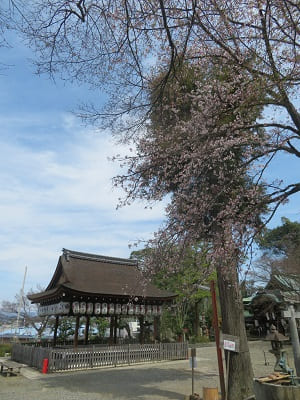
<point>230,342</point>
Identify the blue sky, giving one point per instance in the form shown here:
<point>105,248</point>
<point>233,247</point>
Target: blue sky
<point>55,179</point>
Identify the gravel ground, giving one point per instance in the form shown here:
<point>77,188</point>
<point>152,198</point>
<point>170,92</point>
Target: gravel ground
<point>155,381</point>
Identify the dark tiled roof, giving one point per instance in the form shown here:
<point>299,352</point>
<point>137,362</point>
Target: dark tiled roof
<point>93,274</point>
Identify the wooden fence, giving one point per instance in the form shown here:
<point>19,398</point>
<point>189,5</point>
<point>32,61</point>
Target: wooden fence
<point>62,359</point>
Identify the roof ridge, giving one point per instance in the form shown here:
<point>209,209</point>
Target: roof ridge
<point>97,257</point>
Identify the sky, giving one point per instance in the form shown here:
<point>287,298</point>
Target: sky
<point>56,180</point>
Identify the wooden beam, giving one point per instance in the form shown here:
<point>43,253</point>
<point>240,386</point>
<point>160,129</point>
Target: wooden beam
<point>111,330</point>
<point>142,338</point>
<point>115,328</point>
<point>76,331</point>
<point>55,330</point>
<point>86,332</point>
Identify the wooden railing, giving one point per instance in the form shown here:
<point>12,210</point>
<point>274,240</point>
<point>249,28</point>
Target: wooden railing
<point>62,359</point>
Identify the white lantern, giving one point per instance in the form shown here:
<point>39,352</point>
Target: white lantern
<point>124,309</point>
<point>82,307</point>
<point>130,309</point>
<point>118,308</point>
<point>149,309</point>
<point>159,310</point>
<point>143,309</point>
<point>154,310</point>
<point>97,308</point>
<point>137,309</point>
<point>111,309</point>
<point>104,308</point>
<point>89,308</point>
<point>65,308</point>
<point>75,307</point>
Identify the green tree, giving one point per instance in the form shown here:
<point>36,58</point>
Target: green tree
<point>100,325</point>
<point>65,329</point>
<point>184,279</point>
<point>281,251</point>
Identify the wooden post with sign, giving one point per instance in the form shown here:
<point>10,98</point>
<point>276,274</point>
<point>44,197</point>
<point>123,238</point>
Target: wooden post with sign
<point>230,343</point>
<point>193,364</point>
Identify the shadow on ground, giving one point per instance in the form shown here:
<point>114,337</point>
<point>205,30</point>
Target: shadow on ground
<point>134,384</point>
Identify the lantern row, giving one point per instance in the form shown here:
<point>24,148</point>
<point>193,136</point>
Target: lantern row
<point>63,308</point>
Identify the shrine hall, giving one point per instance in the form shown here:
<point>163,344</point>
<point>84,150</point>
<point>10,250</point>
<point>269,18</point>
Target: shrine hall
<point>88,285</point>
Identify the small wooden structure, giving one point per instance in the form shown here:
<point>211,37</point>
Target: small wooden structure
<point>86,285</point>
<point>9,368</point>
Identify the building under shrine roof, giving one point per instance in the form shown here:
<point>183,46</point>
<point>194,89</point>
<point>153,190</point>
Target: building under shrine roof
<point>93,284</point>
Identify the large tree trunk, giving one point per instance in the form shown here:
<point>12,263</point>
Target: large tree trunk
<point>240,384</point>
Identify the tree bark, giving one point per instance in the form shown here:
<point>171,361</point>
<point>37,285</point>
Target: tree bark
<point>240,380</point>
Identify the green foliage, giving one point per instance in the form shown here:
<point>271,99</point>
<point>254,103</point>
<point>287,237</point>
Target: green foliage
<point>282,239</point>
<point>100,324</point>
<point>65,328</point>
<point>199,339</point>
<point>5,348</point>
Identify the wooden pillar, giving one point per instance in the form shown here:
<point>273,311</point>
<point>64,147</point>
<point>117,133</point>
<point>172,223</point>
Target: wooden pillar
<point>156,328</point>
<point>141,319</point>
<point>115,329</point>
<point>111,330</point>
<point>86,332</point>
<point>76,331</point>
<point>55,330</point>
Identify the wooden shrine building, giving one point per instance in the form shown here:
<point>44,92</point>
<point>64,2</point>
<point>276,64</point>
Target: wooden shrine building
<point>90,285</point>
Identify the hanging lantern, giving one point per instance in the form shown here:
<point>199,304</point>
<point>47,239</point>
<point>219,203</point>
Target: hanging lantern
<point>64,308</point>
<point>149,309</point>
<point>143,309</point>
<point>130,309</point>
<point>124,309</point>
<point>89,308</point>
<point>75,307</point>
<point>159,310</point>
<point>82,307</point>
<point>154,310</point>
<point>97,308</point>
<point>111,308</point>
<point>118,308</point>
<point>137,309</point>
<point>104,308</point>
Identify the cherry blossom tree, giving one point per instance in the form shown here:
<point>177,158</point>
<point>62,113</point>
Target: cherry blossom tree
<point>119,46</point>
<point>213,161</point>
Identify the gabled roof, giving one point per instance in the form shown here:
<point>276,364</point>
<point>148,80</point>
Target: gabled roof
<point>91,274</point>
<point>285,282</point>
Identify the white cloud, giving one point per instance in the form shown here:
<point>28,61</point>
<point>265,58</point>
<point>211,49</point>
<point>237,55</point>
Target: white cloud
<point>54,197</point>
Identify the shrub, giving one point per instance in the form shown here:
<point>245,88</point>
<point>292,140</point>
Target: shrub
<point>5,348</point>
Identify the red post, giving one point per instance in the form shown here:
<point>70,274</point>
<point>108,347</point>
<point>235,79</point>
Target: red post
<point>45,366</point>
<point>217,338</point>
